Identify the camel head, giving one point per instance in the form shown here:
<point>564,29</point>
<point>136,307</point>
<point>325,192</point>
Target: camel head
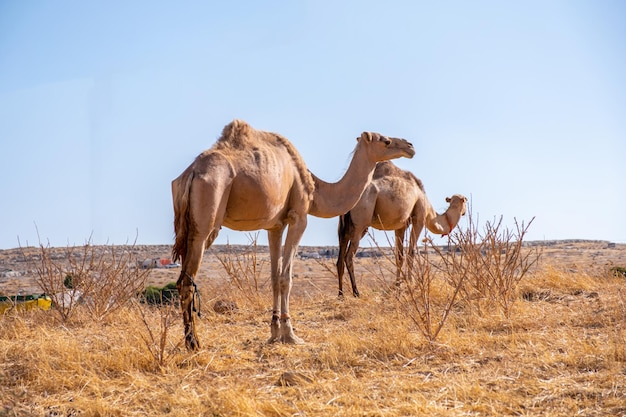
<point>458,203</point>
<point>383,148</point>
<point>458,207</point>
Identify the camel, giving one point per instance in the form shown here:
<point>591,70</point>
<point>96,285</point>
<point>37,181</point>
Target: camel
<point>394,200</point>
<point>251,180</point>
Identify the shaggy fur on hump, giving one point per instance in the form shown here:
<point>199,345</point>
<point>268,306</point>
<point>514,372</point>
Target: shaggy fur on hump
<point>386,168</point>
<point>241,136</point>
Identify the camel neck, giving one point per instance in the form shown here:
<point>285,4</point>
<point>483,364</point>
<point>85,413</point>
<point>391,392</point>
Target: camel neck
<point>435,222</point>
<point>335,199</point>
<point>441,223</point>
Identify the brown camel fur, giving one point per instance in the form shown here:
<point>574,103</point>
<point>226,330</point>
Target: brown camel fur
<point>251,180</point>
<point>394,200</point>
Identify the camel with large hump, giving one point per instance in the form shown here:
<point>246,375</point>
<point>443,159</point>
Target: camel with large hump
<point>251,180</point>
<point>394,200</point>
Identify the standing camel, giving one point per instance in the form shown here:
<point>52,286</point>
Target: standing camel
<point>394,200</point>
<point>251,180</point>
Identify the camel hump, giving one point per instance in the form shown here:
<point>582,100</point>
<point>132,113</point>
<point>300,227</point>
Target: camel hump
<point>385,168</point>
<point>239,135</point>
<point>389,169</point>
<point>235,132</point>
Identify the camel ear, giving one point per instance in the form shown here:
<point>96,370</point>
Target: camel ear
<point>366,136</point>
<point>448,199</point>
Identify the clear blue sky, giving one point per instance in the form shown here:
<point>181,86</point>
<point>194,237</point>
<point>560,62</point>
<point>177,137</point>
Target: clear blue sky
<point>519,105</point>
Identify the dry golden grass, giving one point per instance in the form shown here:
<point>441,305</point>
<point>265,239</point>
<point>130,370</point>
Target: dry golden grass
<point>562,352</point>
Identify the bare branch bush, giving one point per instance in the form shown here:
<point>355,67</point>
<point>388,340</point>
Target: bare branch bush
<point>244,270</point>
<point>482,269</point>
<point>116,280</point>
<point>328,265</point>
<point>431,293</point>
<point>55,276</point>
<point>492,262</point>
<point>156,338</point>
<point>421,288</point>
<point>384,265</point>
<point>101,278</point>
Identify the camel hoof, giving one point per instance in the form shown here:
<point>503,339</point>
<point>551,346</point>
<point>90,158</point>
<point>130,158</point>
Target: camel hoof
<point>273,339</point>
<point>192,344</point>
<point>292,339</point>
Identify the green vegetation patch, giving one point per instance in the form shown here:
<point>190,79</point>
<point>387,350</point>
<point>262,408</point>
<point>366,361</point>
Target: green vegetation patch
<point>619,271</point>
<point>160,295</point>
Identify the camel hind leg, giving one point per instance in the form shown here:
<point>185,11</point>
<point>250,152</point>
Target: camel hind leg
<point>188,291</point>
<point>207,206</point>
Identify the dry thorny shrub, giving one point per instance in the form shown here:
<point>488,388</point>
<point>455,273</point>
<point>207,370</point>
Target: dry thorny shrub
<point>102,279</point>
<point>427,299</point>
<point>480,269</point>
<point>157,338</point>
<point>491,262</point>
<point>244,270</point>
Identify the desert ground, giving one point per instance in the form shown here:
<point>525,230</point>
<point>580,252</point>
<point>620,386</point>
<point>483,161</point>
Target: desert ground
<point>560,352</point>
<point>310,275</point>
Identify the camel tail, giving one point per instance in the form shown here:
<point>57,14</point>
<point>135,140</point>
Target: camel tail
<point>181,188</point>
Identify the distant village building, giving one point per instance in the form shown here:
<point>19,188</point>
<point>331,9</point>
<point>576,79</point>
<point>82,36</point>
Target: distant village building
<point>158,263</point>
<point>369,254</point>
<point>310,255</point>
<point>149,263</point>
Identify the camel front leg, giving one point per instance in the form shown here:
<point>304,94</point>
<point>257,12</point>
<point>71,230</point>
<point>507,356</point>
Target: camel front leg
<point>353,246</point>
<point>416,230</point>
<point>294,233</point>
<point>341,259</point>
<point>275,238</point>
<point>399,254</point>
